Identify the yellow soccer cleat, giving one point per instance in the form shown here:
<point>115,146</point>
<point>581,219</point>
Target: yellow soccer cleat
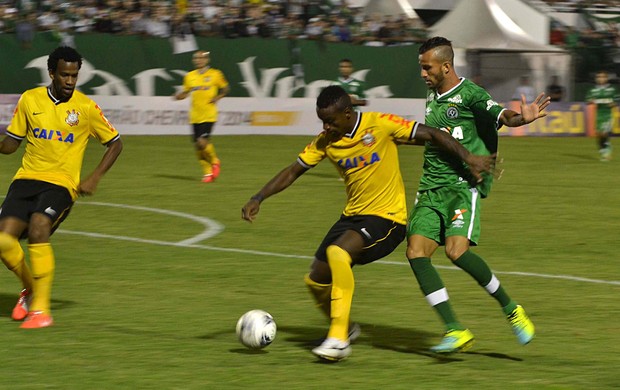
<point>522,326</point>
<point>455,341</point>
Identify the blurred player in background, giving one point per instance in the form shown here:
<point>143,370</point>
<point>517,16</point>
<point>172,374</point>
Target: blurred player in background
<point>206,86</point>
<point>354,87</point>
<point>605,96</point>
<point>447,208</point>
<point>56,121</point>
<point>363,148</point>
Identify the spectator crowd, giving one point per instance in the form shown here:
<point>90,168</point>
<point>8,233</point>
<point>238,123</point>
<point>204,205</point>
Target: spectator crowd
<point>332,21</point>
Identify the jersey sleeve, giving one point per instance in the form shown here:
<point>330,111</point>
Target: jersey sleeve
<point>398,127</point>
<point>19,123</point>
<point>313,153</point>
<point>221,80</point>
<point>485,109</point>
<point>100,127</point>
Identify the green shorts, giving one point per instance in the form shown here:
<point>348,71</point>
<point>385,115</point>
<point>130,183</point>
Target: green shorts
<point>604,124</point>
<point>445,212</point>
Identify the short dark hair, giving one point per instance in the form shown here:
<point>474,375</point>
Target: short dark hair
<point>66,53</point>
<point>345,60</point>
<point>333,95</point>
<point>446,47</point>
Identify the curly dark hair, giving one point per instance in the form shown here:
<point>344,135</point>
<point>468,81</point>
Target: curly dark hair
<point>333,95</point>
<point>66,53</point>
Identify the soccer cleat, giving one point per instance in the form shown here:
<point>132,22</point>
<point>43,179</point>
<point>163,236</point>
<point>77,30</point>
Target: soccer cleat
<point>208,178</point>
<point>37,319</point>
<point>333,350</point>
<point>20,311</point>
<point>354,331</point>
<point>522,326</point>
<point>455,341</point>
<point>216,170</point>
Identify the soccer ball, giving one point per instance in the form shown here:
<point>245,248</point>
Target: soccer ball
<point>256,329</point>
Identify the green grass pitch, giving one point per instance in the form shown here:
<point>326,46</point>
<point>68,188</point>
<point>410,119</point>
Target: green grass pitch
<point>148,289</point>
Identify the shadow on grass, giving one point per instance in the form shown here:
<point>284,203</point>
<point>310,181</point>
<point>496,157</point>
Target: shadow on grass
<point>402,340</point>
<point>195,178</point>
<point>7,302</point>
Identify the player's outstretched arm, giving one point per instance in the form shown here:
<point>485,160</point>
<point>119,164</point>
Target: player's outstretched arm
<point>477,164</point>
<point>279,182</point>
<point>88,186</point>
<point>529,112</point>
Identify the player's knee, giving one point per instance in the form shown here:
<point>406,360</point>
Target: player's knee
<point>320,272</point>
<point>454,252</point>
<point>39,230</point>
<point>6,241</point>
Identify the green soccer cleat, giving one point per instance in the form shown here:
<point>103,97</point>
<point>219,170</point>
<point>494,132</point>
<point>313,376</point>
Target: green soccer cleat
<point>522,326</point>
<point>455,341</point>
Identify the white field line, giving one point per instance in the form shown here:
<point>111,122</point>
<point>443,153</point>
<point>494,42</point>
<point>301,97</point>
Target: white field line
<point>213,228</point>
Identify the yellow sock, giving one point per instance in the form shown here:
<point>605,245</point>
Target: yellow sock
<point>343,285</point>
<point>13,257</point>
<point>204,164</point>
<point>322,294</point>
<point>42,260</point>
<point>211,155</point>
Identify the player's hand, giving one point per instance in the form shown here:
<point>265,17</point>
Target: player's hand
<point>481,164</point>
<point>531,112</point>
<point>87,186</point>
<point>249,211</point>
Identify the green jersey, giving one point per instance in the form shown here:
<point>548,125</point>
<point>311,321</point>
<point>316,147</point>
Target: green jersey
<point>469,114</point>
<point>352,87</point>
<point>604,97</point>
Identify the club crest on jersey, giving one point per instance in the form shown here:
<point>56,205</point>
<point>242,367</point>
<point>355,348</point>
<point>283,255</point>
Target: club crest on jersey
<point>368,139</point>
<point>452,112</point>
<point>72,118</point>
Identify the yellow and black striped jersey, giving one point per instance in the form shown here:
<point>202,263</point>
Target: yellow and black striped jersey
<point>367,159</point>
<point>203,86</point>
<point>57,133</point>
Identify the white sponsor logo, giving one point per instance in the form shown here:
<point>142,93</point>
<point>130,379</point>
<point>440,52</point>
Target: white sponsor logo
<point>456,99</point>
<point>50,211</point>
<point>491,103</point>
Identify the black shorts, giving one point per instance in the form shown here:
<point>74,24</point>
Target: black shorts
<point>381,236</point>
<point>202,130</point>
<point>26,197</point>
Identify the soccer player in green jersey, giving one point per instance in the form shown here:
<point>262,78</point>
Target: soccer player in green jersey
<point>354,87</point>
<point>605,97</point>
<point>363,148</point>
<point>447,209</point>
<point>56,121</point>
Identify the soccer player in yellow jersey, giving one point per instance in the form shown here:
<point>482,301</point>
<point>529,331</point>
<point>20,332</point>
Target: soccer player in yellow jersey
<point>363,147</point>
<point>56,121</point>
<point>206,86</point>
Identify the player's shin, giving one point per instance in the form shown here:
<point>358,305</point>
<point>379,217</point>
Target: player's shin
<point>343,285</point>
<point>434,291</point>
<point>475,266</point>
<point>210,154</point>
<point>13,257</point>
<point>321,293</point>
<point>43,264</point>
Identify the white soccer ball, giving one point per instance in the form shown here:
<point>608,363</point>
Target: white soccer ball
<point>256,329</point>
